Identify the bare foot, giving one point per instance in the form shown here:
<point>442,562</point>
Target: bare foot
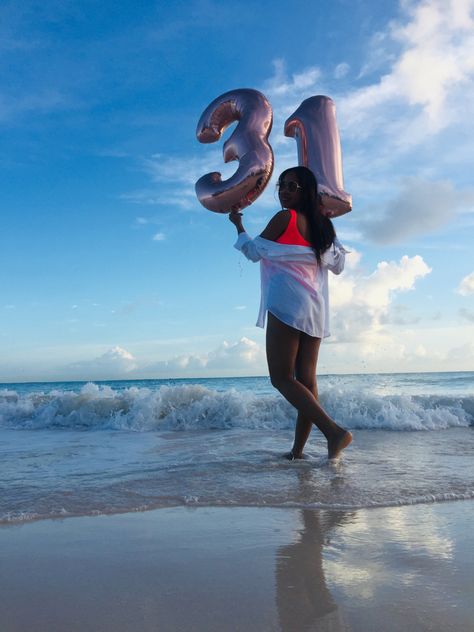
<point>293,456</point>
<point>338,443</point>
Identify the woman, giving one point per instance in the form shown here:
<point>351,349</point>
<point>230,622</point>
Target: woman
<point>296,249</point>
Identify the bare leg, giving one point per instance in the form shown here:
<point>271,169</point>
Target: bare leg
<point>305,373</point>
<point>282,350</point>
<point>302,431</point>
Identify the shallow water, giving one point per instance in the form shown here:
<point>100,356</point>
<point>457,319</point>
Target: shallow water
<point>86,449</point>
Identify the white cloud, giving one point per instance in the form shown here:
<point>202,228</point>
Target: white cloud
<point>341,70</point>
<point>380,54</point>
<point>159,237</point>
<point>361,304</point>
<point>435,61</point>
<point>114,363</point>
<point>353,259</point>
<point>399,315</point>
<point>398,350</point>
<point>281,85</point>
<point>187,170</point>
<point>41,103</point>
<point>181,198</point>
<point>178,176</point>
<point>466,287</point>
<point>243,357</point>
<point>244,353</point>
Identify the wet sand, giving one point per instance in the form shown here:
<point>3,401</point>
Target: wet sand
<point>394,569</point>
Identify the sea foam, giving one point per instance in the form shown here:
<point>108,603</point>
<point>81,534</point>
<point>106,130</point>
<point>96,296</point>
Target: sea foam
<point>197,407</point>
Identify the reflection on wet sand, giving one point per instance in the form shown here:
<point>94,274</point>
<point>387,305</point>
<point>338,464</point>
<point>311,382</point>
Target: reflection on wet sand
<point>304,601</point>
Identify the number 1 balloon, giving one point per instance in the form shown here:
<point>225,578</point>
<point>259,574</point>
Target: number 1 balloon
<point>248,144</point>
<point>314,127</point>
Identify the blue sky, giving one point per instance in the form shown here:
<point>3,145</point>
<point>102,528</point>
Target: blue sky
<point>110,266</point>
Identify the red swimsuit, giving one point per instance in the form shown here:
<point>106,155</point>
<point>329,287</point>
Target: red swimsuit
<point>291,235</point>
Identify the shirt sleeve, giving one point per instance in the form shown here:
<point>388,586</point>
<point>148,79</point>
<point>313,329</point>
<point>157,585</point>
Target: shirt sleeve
<point>247,247</point>
<point>334,257</point>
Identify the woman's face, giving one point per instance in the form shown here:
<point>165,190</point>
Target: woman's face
<point>289,190</point>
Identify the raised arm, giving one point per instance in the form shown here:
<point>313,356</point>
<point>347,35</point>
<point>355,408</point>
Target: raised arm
<point>248,246</point>
<point>244,242</point>
<point>236,218</point>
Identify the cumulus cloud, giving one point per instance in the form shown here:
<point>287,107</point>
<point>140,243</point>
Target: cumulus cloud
<point>362,305</point>
<point>466,287</point>
<point>159,237</point>
<point>245,352</point>
<point>242,357</point>
<point>421,206</point>
<point>114,363</point>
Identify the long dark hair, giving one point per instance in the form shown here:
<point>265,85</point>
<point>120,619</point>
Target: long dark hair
<point>321,229</point>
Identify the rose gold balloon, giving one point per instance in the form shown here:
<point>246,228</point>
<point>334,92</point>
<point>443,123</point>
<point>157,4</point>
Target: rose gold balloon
<point>314,127</point>
<point>248,144</point>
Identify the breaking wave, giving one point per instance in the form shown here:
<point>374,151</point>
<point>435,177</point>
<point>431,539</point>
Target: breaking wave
<point>196,407</point>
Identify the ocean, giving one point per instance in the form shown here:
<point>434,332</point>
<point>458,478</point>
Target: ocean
<point>71,449</point>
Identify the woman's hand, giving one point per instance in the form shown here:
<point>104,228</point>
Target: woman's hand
<point>236,218</point>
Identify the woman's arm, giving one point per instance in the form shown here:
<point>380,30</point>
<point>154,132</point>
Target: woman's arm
<point>274,229</point>
<point>244,243</point>
<point>236,219</point>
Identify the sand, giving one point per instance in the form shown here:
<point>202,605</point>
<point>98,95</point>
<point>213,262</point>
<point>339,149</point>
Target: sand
<point>389,569</point>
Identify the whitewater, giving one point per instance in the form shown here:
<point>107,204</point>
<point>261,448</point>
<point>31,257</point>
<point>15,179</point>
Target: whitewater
<point>71,449</point>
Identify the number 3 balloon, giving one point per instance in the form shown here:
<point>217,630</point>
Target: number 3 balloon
<point>248,144</point>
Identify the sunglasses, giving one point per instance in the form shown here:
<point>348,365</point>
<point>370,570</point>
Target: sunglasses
<point>290,186</point>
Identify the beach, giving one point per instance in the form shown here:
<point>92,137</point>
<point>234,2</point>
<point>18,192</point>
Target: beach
<point>168,505</point>
<point>388,569</point>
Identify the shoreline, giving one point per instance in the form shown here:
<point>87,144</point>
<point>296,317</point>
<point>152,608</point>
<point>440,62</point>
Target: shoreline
<point>208,568</point>
<point>422,501</point>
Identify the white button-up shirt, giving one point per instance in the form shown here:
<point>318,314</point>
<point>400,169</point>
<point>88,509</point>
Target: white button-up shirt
<point>294,287</point>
